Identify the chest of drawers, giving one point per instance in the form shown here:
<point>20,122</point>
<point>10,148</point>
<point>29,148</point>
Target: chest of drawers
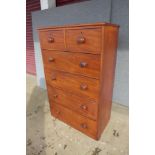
<point>79,64</point>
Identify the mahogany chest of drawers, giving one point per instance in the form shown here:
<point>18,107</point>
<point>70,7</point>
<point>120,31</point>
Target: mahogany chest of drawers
<point>79,64</point>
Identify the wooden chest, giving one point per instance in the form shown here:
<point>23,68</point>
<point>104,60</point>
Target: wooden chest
<point>79,65</point>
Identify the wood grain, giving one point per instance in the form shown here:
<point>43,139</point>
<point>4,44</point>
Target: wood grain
<point>72,83</point>
<point>79,65</point>
<point>56,35</point>
<point>92,43</point>
<point>110,35</point>
<point>71,62</point>
<point>79,122</point>
<point>83,106</point>
<point>75,26</point>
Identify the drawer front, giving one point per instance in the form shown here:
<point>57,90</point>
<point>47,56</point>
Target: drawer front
<point>83,106</point>
<point>77,63</point>
<point>79,122</point>
<point>84,40</point>
<point>78,85</point>
<point>52,39</point>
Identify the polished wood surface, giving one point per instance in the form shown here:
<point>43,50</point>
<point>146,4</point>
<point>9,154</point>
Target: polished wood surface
<point>53,39</point>
<point>72,26</point>
<point>79,122</point>
<point>107,74</point>
<point>84,40</point>
<point>81,105</point>
<point>79,65</point>
<point>80,85</point>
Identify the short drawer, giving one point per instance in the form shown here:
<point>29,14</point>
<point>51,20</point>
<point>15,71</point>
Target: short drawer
<point>52,39</point>
<point>84,40</point>
<point>79,122</point>
<point>83,106</point>
<point>78,63</point>
<point>79,85</point>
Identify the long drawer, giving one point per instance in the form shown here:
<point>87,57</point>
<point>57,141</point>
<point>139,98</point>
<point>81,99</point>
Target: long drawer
<point>78,85</point>
<point>79,122</point>
<point>83,64</point>
<point>83,106</point>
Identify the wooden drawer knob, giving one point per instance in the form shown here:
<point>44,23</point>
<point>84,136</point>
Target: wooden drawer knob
<point>84,125</point>
<point>80,40</point>
<point>57,112</point>
<point>50,39</point>
<point>83,64</point>
<point>53,77</point>
<point>50,59</point>
<point>84,107</point>
<point>83,87</point>
<point>55,96</point>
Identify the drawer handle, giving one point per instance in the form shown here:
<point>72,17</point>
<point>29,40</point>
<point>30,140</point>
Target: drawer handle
<point>83,87</point>
<point>84,125</point>
<point>83,64</point>
<point>65,51</point>
<point>57,113</point>
<point>50,39</point>
<point>84,107</point>
<point>50,59</point>
<point>53,77</point>
<point>81,40</point>
<point>55,96</point>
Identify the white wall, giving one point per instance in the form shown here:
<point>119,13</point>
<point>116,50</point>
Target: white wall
<point>47,4</point>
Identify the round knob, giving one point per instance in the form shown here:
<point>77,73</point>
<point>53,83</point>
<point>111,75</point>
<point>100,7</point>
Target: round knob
<point>84,107</point>
<point>84,125</point>
<point>50,59</point>
<point>80,39</point>
<point>53,77</point>
<point>55,96</point>
<point>57,113</point>
<point>50,39</point>
<point>83,64</point>
<point>83,87</point>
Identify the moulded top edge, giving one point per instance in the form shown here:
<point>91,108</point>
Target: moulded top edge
<point>78,25</point>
